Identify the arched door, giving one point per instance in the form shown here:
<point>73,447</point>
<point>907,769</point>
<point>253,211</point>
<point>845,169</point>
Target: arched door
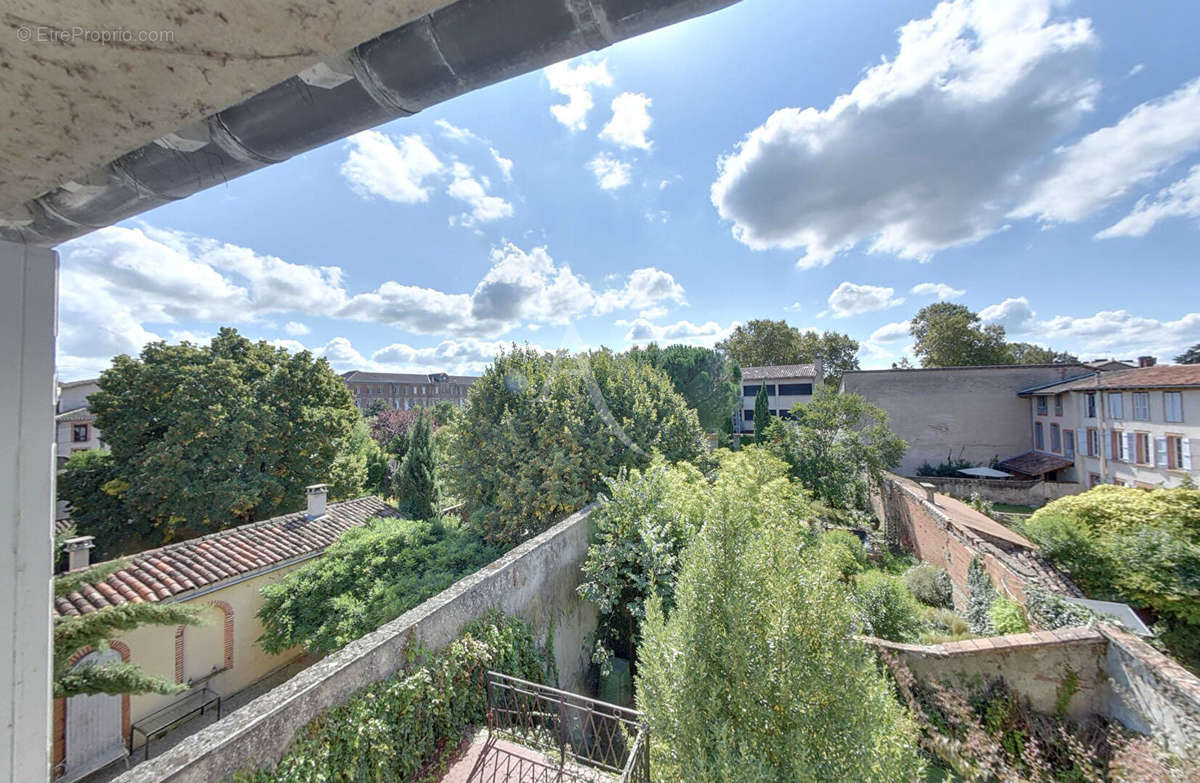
<point>93,734</point>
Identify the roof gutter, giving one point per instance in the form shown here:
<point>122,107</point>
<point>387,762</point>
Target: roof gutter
<point>459,48</point>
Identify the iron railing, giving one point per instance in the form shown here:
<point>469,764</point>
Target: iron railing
<point>539,734</point>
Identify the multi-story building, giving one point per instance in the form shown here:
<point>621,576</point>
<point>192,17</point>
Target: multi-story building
<point>404,391</point>
<point>787,385</point>
<point>75,426</point>
<point>1133,427</point>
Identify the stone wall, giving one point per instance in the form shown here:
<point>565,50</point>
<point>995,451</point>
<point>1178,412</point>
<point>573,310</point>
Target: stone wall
<point>536,581</point>
<point>1150,693</point>
<point>1021,493</point>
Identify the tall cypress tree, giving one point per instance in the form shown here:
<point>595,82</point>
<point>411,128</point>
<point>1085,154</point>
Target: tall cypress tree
<point>762,413</point>
<point>414,481</point>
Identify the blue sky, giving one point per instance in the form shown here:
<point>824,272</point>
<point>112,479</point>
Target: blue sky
<point>835,164</point>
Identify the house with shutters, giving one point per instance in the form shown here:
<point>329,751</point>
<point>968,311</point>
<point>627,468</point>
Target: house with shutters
<point>787,385</point>
<point>1135,428</point>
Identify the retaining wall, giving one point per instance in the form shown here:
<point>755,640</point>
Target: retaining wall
<point>1021,493</point>
<point>536,581</point>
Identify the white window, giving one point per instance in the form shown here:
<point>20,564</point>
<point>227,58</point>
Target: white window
<point>1116,405</point>
<point>1141,406</point>
<point>1173,406</point>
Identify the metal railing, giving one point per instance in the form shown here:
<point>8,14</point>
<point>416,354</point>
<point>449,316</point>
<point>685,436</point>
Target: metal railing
<point>537,733</point>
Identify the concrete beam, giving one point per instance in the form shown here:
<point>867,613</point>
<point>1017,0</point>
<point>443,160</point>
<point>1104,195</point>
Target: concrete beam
<point>28,282</point>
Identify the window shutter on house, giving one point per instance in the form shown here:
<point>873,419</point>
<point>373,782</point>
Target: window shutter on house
<point>1130,454</point>
<point>1108,452</point>
<point>1150,451</point>
<point>1162,452</point>
<point>1187,454</point>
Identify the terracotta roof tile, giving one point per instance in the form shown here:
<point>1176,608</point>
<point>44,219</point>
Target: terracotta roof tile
<point>1034,463</point>
<point>178,568</point>
<point>1162,376</point>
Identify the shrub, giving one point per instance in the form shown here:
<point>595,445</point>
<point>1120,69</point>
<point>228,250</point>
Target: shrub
<point>1007,617</point>
<point>639,533</point>
<point>886,608</point>
<point>843,552</point>
<point>393,730</point>
<point>542,431</point>
<point>755,676</point>
<point>371,575</point>
<point>930,585</point>
<point>981,504</point>
<point>946,621</point>
<point>415,487</point>
<point>980,595</point>
<point>1048,611</point>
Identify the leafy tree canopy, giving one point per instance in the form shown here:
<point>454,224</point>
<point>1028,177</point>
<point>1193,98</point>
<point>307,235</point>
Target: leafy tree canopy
<point>747,679</point>
<point>415,487</point>
<point>836,445</point>
<point>762,342</point>
<point>543,430</point>
<point>762,413</point>
<point>950,335</point>
<point>707,379</point>
<point>1028,353</point>
<point>1190,356</point>
<point>206,437</point>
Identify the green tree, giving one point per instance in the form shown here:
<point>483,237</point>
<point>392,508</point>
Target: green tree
<point>1190,356</point>
<point>375,407</point>
<point>706,378</point>
<point>747,679</point>
<point>94,630</point>
<point>206,437</point>
<point>543,430</point>
<point>444,413</point>
<point>950,335</point>
<point>837,445</point>
<point>763,342</point>
<point>370,575</point>
<point>91,484</point>
<point>416,489</point>
<point>1028,353</point>
<point>762,414</point>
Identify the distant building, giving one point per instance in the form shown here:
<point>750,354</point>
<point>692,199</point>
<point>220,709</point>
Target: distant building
<point>787,385</point>
<point>969,413</point>
<point>1134,427</point>
<point>75,426</point>
<point>404,391</point>
<point>222,574</point>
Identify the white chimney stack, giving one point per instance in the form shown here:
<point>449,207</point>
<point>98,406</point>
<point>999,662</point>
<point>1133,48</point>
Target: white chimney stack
<point>317,494</point>
<point>79,552</point>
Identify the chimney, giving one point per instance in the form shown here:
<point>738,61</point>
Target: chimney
<point>818,369</point>
<point>929,488</point>
<point>317,494</point>
<point>1147,361</point>
<point>79,552</point>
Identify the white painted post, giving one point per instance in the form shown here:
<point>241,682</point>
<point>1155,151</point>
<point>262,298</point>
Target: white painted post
<point>28,321</point>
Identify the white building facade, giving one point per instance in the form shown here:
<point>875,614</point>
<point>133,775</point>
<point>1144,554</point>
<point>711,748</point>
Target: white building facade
<point>787,385</point>
<point>1135,428</point>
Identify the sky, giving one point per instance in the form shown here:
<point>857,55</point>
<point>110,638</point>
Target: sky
<point>835,164</point>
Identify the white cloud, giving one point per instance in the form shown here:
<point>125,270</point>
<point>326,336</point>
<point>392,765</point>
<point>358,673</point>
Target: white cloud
<point>484,207</point>
<point>392,169</point>
<point>1135,70</point>
<point>504,164</point>
<point>1104,165</point>
<point>576,84</point>
<point>1179,199</point>
<point>928,150</point>
<point>1015,315</point>
<point>645,288</point>
<point>854,299</point>
<point>642,330</point>
<point>296,329</point>
<point>890,333</point>
<point>630,121</point>
<point>940,290</point>
<point>455,133</point>
<point>529,286</point>
<point>610,172</point>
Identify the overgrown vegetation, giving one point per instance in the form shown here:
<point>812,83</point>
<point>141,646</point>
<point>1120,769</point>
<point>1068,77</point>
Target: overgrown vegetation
<point>930,585</point>
<point>980,595</point>
<point>761,342</point>
<point>837,446</point>
<point>706,378</point>
<point>371,575</point>
<point>1138,546</point>
<point>747,679</point>
<point>206,437</point>
<point>415,490</point>
<point>398,730</point>
<point>541,431</point>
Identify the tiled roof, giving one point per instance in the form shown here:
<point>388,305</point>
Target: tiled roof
<point>778,371</point>
<point>176,569</point>
<point>1163,376</point>
<point>1035,463</point>
<point>76,414</point>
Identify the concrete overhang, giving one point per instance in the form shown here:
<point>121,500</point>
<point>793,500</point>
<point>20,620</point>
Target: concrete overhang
<point>116,108</point>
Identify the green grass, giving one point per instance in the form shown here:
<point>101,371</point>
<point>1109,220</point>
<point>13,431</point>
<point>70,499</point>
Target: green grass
<point>1013,508</point>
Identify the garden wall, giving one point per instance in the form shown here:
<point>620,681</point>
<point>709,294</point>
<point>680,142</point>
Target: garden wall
<point>1020,493</point>
<point>537,581</point>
